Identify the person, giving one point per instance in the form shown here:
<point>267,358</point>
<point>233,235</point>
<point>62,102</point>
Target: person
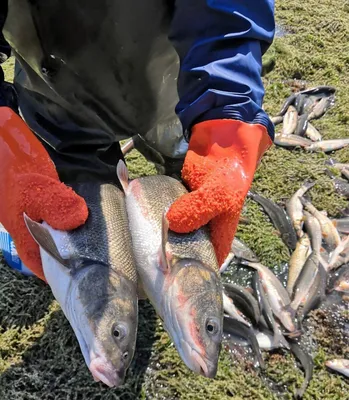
<point>182,75</point>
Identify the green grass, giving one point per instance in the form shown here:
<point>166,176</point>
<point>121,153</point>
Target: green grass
<point>39,355</point>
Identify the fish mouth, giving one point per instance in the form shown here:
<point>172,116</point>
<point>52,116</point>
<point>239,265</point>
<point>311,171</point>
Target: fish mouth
<point>103,371</point>
<point>196,362</point>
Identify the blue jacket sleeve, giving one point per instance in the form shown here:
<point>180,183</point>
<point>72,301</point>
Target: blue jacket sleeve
<point>220,44</point>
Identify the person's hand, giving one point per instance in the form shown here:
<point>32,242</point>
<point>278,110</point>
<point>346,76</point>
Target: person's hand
<point>219,167</point>
<point>29,183</point>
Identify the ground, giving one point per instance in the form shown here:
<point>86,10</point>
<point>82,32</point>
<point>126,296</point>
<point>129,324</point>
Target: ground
<point>39,356</point>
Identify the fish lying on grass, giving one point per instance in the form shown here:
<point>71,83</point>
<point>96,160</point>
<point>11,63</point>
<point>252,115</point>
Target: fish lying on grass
<point>92,274</point>
<point>294,208</point>
<point>302,125</point>
<point>178,272</point>
<point>327,145</point>
<point>341,185</point>
<point>291,141</point>
<point>290,121</point>
<point>312,133</point>
<point>339,365</point>
<point>321,107</point>
<point>340,255</point>
<point>279,218</point>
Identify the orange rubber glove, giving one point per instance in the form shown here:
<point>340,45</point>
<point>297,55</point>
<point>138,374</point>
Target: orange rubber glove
<point>219,167</point>
<point>29,183</point>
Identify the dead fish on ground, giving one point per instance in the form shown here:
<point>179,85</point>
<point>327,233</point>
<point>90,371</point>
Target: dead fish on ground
<point>277,120</point>
<point>297,261</point>
<point>92,274</point>
<point>342,282</point>
<point>231,310</point>
<point>291,141</point>
<point>321,107</point>
<point>341,224</point>
<point>328,145</point>
<point>329,232</point>
<point>335,164</point>
<point>290,121</point>
<point>313,228</point>
<point>287,103</point>
<point>240,250</point>
<point>279,218</point>
<point>294,208</point>
<point>339,365</point>
<point>302,125</point>
<point>340,255</point>
<point>179,272</point>
<point>312,133</point>
<point>277,295</point>
<point>341,186</point>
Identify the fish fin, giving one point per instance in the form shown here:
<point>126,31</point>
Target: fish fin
<point>163,254</point>
<point>122,173</point>
<point>43,238</point>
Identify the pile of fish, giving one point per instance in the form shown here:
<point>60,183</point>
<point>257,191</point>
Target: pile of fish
<point>297,112</point>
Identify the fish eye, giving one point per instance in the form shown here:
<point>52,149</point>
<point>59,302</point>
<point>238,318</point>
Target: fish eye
<point>212,326</point>
<point>125,355</point>
<point>119,331</point>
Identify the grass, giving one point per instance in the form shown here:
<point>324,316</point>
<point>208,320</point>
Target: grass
<point>39,355</point>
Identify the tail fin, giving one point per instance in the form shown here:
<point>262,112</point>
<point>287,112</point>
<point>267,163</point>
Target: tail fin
<point>122,173</point>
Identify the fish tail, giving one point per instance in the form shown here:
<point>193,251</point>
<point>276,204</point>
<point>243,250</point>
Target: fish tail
<point>122,173</point>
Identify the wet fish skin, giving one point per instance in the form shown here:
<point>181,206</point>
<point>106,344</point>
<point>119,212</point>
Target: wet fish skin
<point>279,218</point>
<point>339,255</point>
<point>341,186</point>
<point>294,207</point>
<point>179,272</point>
<point>291,141</point>
<point>345,173</point>
<point>342,282</point>
<point>277,119</point>
<point>302,125</point>
<point>266,310</point>
<point>278,297</point>
<point>290,121</point>
<point>236,328</point>
<point>241,250</point>
<point>297,261</point>
<point>312,133</point>
<point>287,103</point>
<point>335,164</point>
<point>313,228</point>
<point>244,301</point>
<point>319,91</point>
<point>329,232</point>
<point>321,107</point>
<point>92,274</point>
<point>339,365</point>
<point>327,145</point>
<point>341,224</point>
<point>231,310</point>
<point>307,364</point>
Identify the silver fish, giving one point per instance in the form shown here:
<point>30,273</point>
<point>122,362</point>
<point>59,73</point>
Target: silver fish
<point>277,120</point>
<point>241,250</point>
<point>341,185</point>
<point>297,261</point>
<point>321,107</point>
<point>340,255</point>
<point>313,228</point>
<point>294,207</point>
<point>290,121</point>
<point>342,282</point>
<point>339,365</point>
<point>312,133</point>
<point>328,145</point>
<point>345,173</point>
<point>291,141</point>
<point>92,274</point>
<point>179,272</point>
<point>341,224</point>
<point>302,125</point>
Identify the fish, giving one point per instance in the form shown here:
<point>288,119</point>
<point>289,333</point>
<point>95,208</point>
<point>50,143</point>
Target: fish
<point>341,186</point>
<point>307,99</point>
<point>335,164</point>
<point>127,147</point>
<point>342,282</point>
<point>290,121</point>
<point>241,250</point>
<point>319,91</point>
<point>321,107</point>
<point>244,301</point>
<point>329,232</point>
<point>340,255</point>
<point>179,273</point>
<point>291,141</point>
<point>277,295</point>
<point>236,328</point>
<point>277,120</point>
<point>307,364</point>
<point>279,218</point>
<point>266,310</point>
<point>313,228</point>
<point>327,145</point>
<point>92,274</point>
<point>297,261</point>
<point>266,341</point>
<point>312,133</point>
<point>341,224</point>
<point>288,102</point>
<point>294,207</point>
<point>339,365</point>
<point>345,173</point>
<point>231,310</point>
<point>302,125</point>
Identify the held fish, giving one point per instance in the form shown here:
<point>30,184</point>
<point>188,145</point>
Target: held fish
<point>297,261</point>
<point>339,255</point>
<point>329,232</point>
<point>294,208</point>
<point>339,365</point>
<point>231,310</point>
<point>290,121</point>
<point>279,218</point>
<point>328,145</point>
<point>277,295</point>
<point>335,164</point>
<point>342,283</point>
<point>92,274</point>
<point>179,272</point>
<point>291,141</point>
<point>312,133</point>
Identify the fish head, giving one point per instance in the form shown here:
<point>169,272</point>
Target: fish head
<point>194,315</point>
<point>103,314</point>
